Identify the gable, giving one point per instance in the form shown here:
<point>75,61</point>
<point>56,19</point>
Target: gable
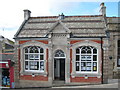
<point>58,27</point>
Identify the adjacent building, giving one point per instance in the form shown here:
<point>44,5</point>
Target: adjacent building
<point>73,49</point>
<point>6,63</point>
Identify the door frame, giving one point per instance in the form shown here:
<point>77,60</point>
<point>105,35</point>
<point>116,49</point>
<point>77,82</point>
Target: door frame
<point>58,58</point>
<point>59,67</point>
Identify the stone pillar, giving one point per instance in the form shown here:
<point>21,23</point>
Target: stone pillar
<point>50,63</point>
<point>105,61</point>
<point>16,66</point>
<point>67,79</point>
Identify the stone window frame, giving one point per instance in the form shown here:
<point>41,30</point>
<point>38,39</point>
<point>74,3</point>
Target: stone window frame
<point>32,43</point>
<point>37,59</point>
<point>90,61</point>
<point>118,53</point>
<point>86,43</point>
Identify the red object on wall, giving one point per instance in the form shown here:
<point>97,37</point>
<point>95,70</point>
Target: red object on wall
<point>42,41</point>
<point>75,41</point>
<point>97,41</point>
<point>11,77</point>
<point>21,42</point>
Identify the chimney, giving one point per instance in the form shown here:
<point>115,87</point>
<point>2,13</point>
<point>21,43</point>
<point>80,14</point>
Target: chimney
<point>27,14</point>
<point>102,9</point>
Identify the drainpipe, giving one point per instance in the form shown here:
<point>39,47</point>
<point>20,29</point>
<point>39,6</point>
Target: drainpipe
<point>102,58</point>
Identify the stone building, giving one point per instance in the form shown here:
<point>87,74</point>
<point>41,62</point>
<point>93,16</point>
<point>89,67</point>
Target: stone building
<point>72,49</point>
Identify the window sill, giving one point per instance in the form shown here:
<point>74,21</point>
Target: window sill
<point>88,74</point>
<point>118,67</point>
<point>35,73</point>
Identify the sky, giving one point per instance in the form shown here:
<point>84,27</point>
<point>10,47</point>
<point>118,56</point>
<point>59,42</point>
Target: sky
<point>12,15</point>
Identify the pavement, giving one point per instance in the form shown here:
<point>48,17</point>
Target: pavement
<point>113,86</point>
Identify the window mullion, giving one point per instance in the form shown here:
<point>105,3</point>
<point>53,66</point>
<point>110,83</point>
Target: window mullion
<point>80,59</point>
<point>92,61</point>
<point>28,60</point>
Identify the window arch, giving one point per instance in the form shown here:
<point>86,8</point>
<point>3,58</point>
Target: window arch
<point>86,59</point>
<point>59,54</point>
<point>33,58</point>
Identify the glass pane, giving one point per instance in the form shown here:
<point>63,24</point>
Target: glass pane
<point>77,51</point>
<point>31,57</point>
<point>94,66</point>
<point>94,51</point>
<point>42,65</point>
<point>83,68</point>
<point>83,63</point>
<point>77,66</point>
<point>37,65</point>
<point>56,55</point>
<point>119,51</point>
<point>83,51</point>
<point>62,55</point>
<point>26,57</point>
<point>36,56</point>
<point>59,53</point>
<point>41,57</point>
<point>83,58</point>
<point>83,47</point>
<point>86,58</point>
<point>34,65</point>
<point>88,68</point>
<point>118,43</point>
<point>26,65</point>
<point>31,51</point>
<point>89,51</point>
<point>77,57</point>
<point>36,51</point>
<point>94,57</point>
<point>41,50</point>
<point>118,61</point>
<point>26,50</point>
<point>88,48</point>
<point>89,64</point>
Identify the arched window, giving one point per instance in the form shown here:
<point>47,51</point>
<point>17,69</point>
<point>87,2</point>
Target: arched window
<point>59,54</point>
<point>34,58</point>
<point>86,59</point>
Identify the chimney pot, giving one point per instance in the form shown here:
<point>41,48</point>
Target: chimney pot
<point>102,4</point>
<point>102,9</point>
<point>61,17</point>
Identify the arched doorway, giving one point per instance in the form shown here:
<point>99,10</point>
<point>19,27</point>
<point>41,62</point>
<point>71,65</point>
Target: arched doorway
<point>59,65</point>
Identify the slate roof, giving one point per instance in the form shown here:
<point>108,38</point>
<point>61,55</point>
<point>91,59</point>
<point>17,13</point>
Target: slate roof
<point>83,26</point>
<point>7,56</point>
<point>113,23</point>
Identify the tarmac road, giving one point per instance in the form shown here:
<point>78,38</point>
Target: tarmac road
<point>113,86</point>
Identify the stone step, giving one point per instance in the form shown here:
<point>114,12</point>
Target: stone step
<point>58,83</point>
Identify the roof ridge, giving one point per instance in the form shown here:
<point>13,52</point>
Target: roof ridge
<point>67,16</point>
